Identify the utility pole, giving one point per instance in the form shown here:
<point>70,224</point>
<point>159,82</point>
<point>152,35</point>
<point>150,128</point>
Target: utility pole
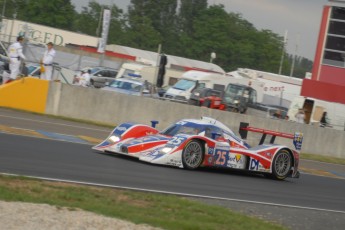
<point>294,56</point>
<point>283,53</point>
<point>3,10</point>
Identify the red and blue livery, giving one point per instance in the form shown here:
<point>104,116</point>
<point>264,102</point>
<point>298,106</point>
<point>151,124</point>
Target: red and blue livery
<point>205,142</point>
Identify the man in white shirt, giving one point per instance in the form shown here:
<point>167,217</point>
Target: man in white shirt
<point>47,62</point>
<point>15,52</point>
<point>84,79</point>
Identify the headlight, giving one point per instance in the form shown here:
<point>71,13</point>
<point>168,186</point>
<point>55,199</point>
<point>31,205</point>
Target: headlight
<point>197,94</point>
<point>236,101</point>
<point>165,150</point>
<point>114,139</point>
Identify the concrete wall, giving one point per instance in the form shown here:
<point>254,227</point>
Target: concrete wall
<point>113,108</point>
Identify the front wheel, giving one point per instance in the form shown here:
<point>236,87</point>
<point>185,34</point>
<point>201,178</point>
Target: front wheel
<point>281,165</point>
<point>193,154</point>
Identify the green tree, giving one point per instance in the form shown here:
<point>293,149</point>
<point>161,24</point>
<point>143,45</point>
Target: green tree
<point>89,21</point>
<point>152,20</point>
<point>189,11</point>
<point>57,13</point>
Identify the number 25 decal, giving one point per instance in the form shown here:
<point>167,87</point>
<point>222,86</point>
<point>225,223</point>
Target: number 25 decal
<point>176,140</point>
<point>221,157</point>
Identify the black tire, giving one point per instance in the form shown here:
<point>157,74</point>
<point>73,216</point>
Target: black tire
<point>193,154</point>
<point>281,165</point>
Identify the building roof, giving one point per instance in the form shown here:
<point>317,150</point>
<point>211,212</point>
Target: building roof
<point>151,58</point>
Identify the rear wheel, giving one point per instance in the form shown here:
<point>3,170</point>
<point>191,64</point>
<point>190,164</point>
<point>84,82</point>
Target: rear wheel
<point>193,155</point>
<point>281,165</point>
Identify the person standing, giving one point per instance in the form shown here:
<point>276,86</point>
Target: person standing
<point>84,79</point>
<point>15,52</point>
<point>47,62</point>
<point>324,120</point>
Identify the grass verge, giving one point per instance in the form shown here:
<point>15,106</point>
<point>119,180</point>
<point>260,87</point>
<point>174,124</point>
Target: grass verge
<point>164,211</point>
<point>326,159</point>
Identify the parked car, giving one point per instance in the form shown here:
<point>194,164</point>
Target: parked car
<point>205,142</point>
<point>99,75</point>
<point>131,86</point>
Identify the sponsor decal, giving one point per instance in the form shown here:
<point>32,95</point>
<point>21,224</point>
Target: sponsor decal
<point>297,140</point>
<point>268,154</point>
<point>210,160</point>
<point>153,154</point>
<point>176,141</point>
<point>254,165</point>
<point>233,166</point>
<point>223,146</point>
<point>210,151</point>
<point>236,161</point>
<point>235,158</point>
<point>122,129</point>
<point>173,162</point>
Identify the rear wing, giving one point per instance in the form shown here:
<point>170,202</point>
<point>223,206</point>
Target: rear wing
<point>297,137</point>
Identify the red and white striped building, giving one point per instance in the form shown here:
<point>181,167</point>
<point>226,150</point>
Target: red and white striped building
<point>328,75</point>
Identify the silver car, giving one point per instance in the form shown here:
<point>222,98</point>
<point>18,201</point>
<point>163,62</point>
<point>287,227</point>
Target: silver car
<point>130,86</point>
<point>99,75</point>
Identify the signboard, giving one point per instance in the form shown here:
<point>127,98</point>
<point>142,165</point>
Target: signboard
<point>10,29</point>
<point>103,40</point>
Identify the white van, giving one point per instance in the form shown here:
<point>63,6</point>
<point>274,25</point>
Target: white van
<point>314,109</point>
<point>193,79</point>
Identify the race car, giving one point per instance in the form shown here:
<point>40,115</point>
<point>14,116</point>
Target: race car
<point>205,142</point>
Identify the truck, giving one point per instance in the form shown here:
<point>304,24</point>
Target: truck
<point>314,108</point>
<point>193,79</point>
<point>235,98</point>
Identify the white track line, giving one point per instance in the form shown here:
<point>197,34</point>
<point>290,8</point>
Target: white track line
<point>176,193</point>
<point>54,123</point>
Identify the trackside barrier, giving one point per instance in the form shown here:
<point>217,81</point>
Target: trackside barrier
<point>114,108</point>
<point>27,93</point>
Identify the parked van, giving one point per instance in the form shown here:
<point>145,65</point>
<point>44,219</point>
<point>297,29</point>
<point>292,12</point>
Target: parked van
<point>193,79</point>
<point>314,108</point>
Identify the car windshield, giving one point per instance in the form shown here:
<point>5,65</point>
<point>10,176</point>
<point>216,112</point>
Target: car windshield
<point>94,70</point>
<point>184,84</point>
<point>31,69</point>
<point>233,92</point>
<point>128,73</point>
<point>183,128</point>
<point>131,86</point>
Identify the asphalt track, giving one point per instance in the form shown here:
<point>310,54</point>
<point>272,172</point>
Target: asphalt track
<point>44,147</point>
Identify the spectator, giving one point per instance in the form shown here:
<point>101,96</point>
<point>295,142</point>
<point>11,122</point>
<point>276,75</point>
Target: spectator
<point>323,121</point>
<point>300,116</point>
<point>15,52</point>
<point>84,79</point>
<point>47,62</point>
